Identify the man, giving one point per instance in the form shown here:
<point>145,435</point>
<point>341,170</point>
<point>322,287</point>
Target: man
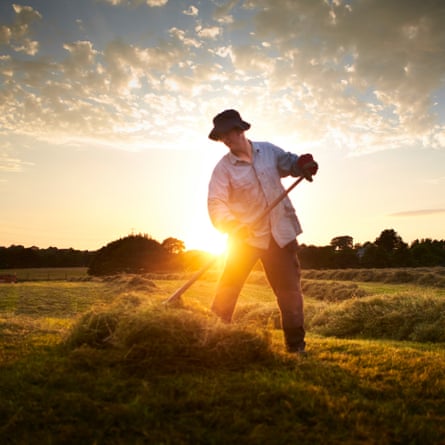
<point>243,184</point>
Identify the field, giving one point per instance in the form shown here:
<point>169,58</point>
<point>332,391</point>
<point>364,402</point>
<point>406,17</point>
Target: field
<point>106,362</point>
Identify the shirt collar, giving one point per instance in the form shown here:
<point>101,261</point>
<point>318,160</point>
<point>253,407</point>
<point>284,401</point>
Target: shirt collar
<point>235,159</point>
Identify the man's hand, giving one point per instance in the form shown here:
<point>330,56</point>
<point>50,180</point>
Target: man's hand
<point>236,229</point>
<point>307,165</point>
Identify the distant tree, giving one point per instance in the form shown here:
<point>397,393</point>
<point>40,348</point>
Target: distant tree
<point>392,251</point>
<point>402,256</point>
<point>132,254</point>
<point>313,257</point>
<point>19,256</point>
<point>345,255</point>
<point>342,242</point>
<point>373,256</point>
<point>389,241</point>
<point>24,257</point>
<point>346,258</point>
<point>173,245</point>
<point>427,252</point>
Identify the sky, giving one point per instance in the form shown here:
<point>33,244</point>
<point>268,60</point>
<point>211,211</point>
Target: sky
<point>106,107</point>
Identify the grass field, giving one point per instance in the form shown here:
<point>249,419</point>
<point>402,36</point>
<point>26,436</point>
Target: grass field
<point>48,273</point>
<point>105,362</point>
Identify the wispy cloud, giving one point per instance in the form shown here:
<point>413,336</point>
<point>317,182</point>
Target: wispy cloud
<point>12,165</point>
<point>151,3</point>
<point>435,181</point>
<point>423,212</point>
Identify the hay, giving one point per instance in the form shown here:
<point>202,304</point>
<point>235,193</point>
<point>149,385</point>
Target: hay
<point>132,282</point>
<point>425,276</point>
<point>93,329</point>
<point>332,291</point>
<point>96,327</point>
<point>399,317</point>
<point>153,338</point>
<point>266,315</point>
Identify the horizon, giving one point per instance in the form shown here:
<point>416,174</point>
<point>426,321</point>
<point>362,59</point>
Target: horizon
<point>355,244</point>
<point>107,106</point>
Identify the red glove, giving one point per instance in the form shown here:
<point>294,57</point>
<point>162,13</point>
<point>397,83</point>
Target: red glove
<point>307,165</point>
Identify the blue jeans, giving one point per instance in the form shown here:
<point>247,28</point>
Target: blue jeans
<point>283,272</point>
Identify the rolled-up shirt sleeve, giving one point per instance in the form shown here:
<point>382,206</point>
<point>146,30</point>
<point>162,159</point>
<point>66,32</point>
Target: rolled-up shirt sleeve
<point>287,162</point>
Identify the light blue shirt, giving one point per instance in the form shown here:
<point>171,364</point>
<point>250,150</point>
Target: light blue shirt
<point>241,191</point>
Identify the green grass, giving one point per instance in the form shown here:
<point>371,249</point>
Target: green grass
<point>48,273</point>
<point>107,363</point>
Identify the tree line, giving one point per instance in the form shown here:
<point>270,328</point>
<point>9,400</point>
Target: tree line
<point>19,257</point>
<point>141,254</point>
<point>387,250</point>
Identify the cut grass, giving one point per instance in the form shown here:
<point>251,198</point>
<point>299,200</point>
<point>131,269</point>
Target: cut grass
<point>52,298</point>
<point>48,273</point>
<point>403,316</point>
<point>147,336</point>
<point>422,276</point>
<point>39,313</point>
<point>156,374</point>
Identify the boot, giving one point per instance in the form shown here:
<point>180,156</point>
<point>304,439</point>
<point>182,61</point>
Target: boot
<point>294,339</point>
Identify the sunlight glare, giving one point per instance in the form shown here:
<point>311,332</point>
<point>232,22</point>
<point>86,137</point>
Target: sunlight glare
<point>207,239</point>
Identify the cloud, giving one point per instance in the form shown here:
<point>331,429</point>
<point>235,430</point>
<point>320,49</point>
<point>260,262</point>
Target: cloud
<point>389,56</point>
<point>355,75</point>
<point>153,3</point>
<point>8,164</point>
<point>181,36</point>
<point>208,33</point>
<point>11,164</point>
<point>16,33</point>
<point>28,47</point>
<point>192,11</point>
<point>435,181</point>
<point>222,11</point>
<point>424,212</point>
<point>150,3</point>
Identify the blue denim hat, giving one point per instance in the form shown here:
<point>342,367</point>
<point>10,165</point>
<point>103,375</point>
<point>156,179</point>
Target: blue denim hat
<point>226,121</point>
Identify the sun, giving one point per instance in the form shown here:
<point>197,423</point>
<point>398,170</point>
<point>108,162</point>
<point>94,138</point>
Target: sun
<point>206,238</point>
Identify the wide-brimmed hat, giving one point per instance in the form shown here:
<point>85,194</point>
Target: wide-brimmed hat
<point>226,121</point>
